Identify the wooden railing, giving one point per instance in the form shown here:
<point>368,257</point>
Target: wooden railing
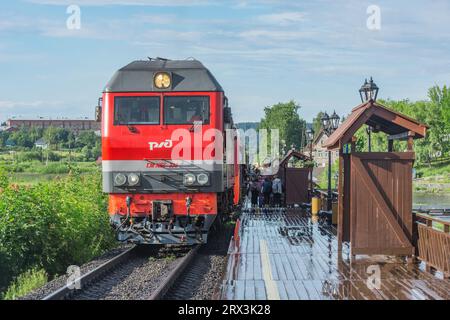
<point>433,242</point>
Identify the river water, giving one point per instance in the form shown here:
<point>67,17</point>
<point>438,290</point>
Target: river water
<point>431,200</point>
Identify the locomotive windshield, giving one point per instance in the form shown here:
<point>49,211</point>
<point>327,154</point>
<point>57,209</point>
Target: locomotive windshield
<point>136,110</point>
<point>186,110</point>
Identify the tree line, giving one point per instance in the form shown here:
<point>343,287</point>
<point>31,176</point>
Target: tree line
<point>434,112</point>
<point>24,138</point>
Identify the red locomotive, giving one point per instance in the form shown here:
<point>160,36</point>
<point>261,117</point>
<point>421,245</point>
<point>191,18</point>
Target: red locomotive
<point>160,193</point>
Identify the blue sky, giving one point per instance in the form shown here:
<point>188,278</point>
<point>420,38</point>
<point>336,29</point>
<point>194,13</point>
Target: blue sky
<point>262,51</point>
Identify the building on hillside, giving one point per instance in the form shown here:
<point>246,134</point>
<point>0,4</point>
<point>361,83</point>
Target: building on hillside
<point>40,143</point>
<point>9,143</point>
<point>320,153</point>
<point>74,125</point>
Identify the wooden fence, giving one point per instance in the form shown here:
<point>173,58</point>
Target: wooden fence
<point>434,244</point>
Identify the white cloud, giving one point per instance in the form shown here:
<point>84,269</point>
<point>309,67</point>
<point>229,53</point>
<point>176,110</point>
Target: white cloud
<point>283,18</point>
<point>279,35</point>
<point>7,104</point>
<point>184,3</point>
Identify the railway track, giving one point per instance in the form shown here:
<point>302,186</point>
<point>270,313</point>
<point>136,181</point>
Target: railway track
<point>202,277</point>
<point>153,274</point>
<point>86,279</point>
<point>174,275</point>
<point>124,277</point>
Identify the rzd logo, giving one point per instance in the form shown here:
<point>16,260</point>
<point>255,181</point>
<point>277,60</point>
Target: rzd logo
<point>165,144</point>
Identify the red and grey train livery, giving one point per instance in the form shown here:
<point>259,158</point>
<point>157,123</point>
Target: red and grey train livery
<point>155,198</point>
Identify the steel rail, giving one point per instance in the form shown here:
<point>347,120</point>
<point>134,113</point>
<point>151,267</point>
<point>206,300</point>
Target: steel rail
<point>174,275</point>
<point>85,279</point>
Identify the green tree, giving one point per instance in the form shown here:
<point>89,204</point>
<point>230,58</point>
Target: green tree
<point>285,118</point>
<point>22,138</point>
<point>55,136</point>
<point>434,112</point>
<point>317,123</point>
<point>4,136</point>
<point>87,138</point>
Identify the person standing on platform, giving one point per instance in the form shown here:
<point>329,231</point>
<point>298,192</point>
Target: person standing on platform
<point>277,190</point>
<point>254,189</point>
<point>267,191</point>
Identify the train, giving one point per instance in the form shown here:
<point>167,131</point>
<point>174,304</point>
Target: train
<point>168,169</point>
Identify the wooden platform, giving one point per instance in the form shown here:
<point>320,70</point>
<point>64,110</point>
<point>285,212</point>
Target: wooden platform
<point>287,255</point>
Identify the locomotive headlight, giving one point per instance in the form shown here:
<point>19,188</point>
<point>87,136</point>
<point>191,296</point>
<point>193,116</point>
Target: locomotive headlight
<point>202,178</point>
<point>133,179</point>
<point>189,179</point>
<point>120,179</point>
<point>162,80</point>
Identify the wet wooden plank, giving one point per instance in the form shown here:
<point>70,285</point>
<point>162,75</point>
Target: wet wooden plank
<point>239,290</point>
<point>260,290</point>
<point>282,291</point>
<point>250,293</point>
<point>311,290</point>
<point>305,265</point>
<point>291,290</point>
<point>249,273</point>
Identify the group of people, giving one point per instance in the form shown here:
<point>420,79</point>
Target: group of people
<point>265,192</point>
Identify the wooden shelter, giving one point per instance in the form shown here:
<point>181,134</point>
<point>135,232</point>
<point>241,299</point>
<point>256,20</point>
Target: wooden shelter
<point>375,188</point>
<point>295,180</point>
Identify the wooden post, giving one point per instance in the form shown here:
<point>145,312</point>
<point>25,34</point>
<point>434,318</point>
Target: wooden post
<point>390,145</point>
<point>410,141</point>
<point>354,139</point>
<point>340,219</point>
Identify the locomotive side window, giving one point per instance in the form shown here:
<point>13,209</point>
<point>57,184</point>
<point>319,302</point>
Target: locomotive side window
<point>136,110</point>
<point>186,110</point>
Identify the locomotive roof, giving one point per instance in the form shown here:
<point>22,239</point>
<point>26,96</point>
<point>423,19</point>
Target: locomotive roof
<point>187,75</point>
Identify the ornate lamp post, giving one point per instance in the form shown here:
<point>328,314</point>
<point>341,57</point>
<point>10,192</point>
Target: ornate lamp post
<point>330,124</point>
<point>310,138</point>
<point>368,91</point>
<point>369,130</point>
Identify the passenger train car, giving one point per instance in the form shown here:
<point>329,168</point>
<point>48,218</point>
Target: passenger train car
<point>166,161</point>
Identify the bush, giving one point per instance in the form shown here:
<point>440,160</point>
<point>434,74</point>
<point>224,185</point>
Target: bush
<point>25,283</point>
<point>53,168</point>
<point>51,225</point>
<point>29,156</point>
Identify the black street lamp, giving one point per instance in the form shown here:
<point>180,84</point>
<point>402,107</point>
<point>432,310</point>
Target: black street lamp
<point>335,121</point>
<point>325,121</point>
<point>368,91</point>
<point>330,124</point>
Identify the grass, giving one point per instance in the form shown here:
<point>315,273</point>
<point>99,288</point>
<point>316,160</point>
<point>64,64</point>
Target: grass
<point>25,283</point>
<point>33,172</point>
<point>434,178</point>
<point>440,170</point>
<point>34,178</point>
<point>323,178</point>
<point>171,257</point>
